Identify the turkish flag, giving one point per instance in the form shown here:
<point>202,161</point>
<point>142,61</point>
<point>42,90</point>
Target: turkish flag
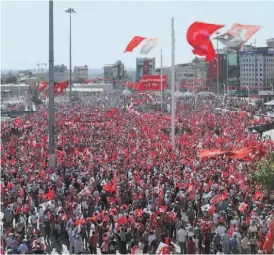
<point>19,122</point>
<point>198,36</point>
<point>135,41</point>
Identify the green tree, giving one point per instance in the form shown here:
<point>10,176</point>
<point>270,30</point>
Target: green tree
<point>265,173</point>
<point>11,79</point>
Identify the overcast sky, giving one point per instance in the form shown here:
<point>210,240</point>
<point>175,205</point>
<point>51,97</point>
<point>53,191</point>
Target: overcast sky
<point>101,30</point>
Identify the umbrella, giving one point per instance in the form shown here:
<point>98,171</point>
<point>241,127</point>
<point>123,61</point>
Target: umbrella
<point>205,94</point>
<point>188,94</point>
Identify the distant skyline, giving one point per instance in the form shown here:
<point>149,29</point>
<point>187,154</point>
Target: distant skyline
<point>101,30</point>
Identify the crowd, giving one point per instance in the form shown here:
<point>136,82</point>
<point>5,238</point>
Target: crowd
<point>120,186</point>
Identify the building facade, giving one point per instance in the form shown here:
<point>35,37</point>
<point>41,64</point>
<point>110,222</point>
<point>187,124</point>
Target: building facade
<point>256,66</point>
<point>80,73</point>
<point>60,73</point>
<point>228,69</point>
<point>115,71</point>
<point>144,66</point>
<point>186,73</point>
<point>270,43</point>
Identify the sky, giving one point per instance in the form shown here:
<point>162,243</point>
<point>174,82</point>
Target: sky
<point>102,29</point>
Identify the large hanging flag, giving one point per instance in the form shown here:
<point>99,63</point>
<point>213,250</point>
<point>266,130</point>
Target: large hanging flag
<point>135,41</point>
<point>152,82</point>
<point>148,45</point>
<point>198,36</point>
<point>238,35</point>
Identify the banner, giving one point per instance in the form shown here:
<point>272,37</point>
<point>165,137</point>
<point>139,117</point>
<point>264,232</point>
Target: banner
<point>238,35</point>
<point>146,67</point>
<point>151,82</point>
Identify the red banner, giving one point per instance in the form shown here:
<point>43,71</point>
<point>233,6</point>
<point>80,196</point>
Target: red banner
<point>212,67</point>
<point>151,82</point>
<point>146,67</point>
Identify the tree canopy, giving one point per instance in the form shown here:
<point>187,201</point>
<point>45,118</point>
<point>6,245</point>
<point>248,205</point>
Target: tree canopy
<point>265,173</point>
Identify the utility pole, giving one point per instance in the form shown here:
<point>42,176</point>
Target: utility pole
<point>173,109</point>
<point>70,11</point>
<point>51,89</point>
<point>217,62</point>
<point>161,79</point>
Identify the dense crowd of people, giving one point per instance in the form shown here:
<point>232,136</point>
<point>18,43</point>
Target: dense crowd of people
<point>120,186</point>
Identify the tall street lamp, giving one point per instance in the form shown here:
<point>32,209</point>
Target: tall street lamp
<point>217,62</point>
<point>70,11</point>
<point>51,89</point>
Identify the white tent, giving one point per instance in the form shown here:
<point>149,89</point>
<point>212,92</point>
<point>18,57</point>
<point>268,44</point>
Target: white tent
<point>270,103</point>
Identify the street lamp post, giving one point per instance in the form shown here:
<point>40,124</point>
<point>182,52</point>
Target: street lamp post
<point>248,91</point>
<point>51,89</point>
<point>173,104</point>
<point>217,63</point>
<point>70,11</point>
<point>272,88</point>
<point>161,79</point>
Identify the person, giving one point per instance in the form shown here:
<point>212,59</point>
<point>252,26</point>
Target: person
<point>33,220</point>
<point>47,229</point>
<point>235,245</point>
<point>181,239</point>
<point>23,248</point>
<point>105,247</point>
<point>77,244</point>
<point>93,242</point>
<point>225,242</point>
<point>207,240</point>
<point>217,243</point>
<point>245,245</point>
<point>253,243</point>
<point>220,229</point>
<point>112,246</point>
<point>123,241</point>
<point>191,247</point>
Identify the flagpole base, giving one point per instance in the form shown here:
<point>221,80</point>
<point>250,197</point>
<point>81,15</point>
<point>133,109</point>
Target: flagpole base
<point>52,161</point>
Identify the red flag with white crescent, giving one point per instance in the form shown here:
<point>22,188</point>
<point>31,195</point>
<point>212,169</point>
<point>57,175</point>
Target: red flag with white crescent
<point>198,36</point>
<point>135,41</point>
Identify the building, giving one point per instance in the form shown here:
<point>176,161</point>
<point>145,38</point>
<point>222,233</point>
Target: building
<point>115,71</point>
<point>144,66</point>
<point>186,73</point>
<point>80,73</point>
<point>256,66</point>
<point>270,43</point>
<point>60,73</point>
<point>228,69</point>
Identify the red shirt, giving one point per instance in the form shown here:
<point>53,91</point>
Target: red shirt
<point>93,240</point>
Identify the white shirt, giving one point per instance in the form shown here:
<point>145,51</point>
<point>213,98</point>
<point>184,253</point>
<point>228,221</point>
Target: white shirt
<point>181,235</point>
<point>41,212</point>
<point>215,218</point>
<point>151,238</point>
<point>221,230</point>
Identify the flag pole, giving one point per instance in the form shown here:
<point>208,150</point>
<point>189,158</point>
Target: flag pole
<point>161,78</point>
<point>172,84</point>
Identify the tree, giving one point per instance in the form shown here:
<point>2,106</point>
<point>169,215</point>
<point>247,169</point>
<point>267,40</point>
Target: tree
<point>11,79</point>
<point>265,173</point>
